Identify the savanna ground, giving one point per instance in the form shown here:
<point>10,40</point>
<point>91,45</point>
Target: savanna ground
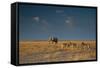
<point>43,51</point>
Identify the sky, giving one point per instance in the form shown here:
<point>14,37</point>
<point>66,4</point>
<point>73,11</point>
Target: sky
<point>39,22</point>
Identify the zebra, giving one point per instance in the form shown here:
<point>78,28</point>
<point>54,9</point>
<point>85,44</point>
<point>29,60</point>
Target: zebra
<point>53,40</point>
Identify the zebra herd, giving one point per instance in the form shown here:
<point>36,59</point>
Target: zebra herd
<point>54,40</point>
<point>76,45</point>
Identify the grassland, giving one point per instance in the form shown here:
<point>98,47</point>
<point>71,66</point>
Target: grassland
<point>43,51</point>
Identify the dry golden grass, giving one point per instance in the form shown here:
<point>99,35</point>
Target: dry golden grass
<point>42,51</point>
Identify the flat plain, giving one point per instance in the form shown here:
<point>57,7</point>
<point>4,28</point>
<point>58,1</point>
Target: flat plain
<point>65,50</point>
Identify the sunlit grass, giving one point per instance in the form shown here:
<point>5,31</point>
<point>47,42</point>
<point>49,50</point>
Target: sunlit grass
<point>43,51</point>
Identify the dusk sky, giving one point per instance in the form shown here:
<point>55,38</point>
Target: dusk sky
<point>66,23</point>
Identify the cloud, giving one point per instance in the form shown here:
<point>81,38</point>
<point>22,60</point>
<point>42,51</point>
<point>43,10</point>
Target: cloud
<point>45,22</point>
<point>41,21</point>
<point>59,11</point>
<point>36,18</point>
<point>69,22</point>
